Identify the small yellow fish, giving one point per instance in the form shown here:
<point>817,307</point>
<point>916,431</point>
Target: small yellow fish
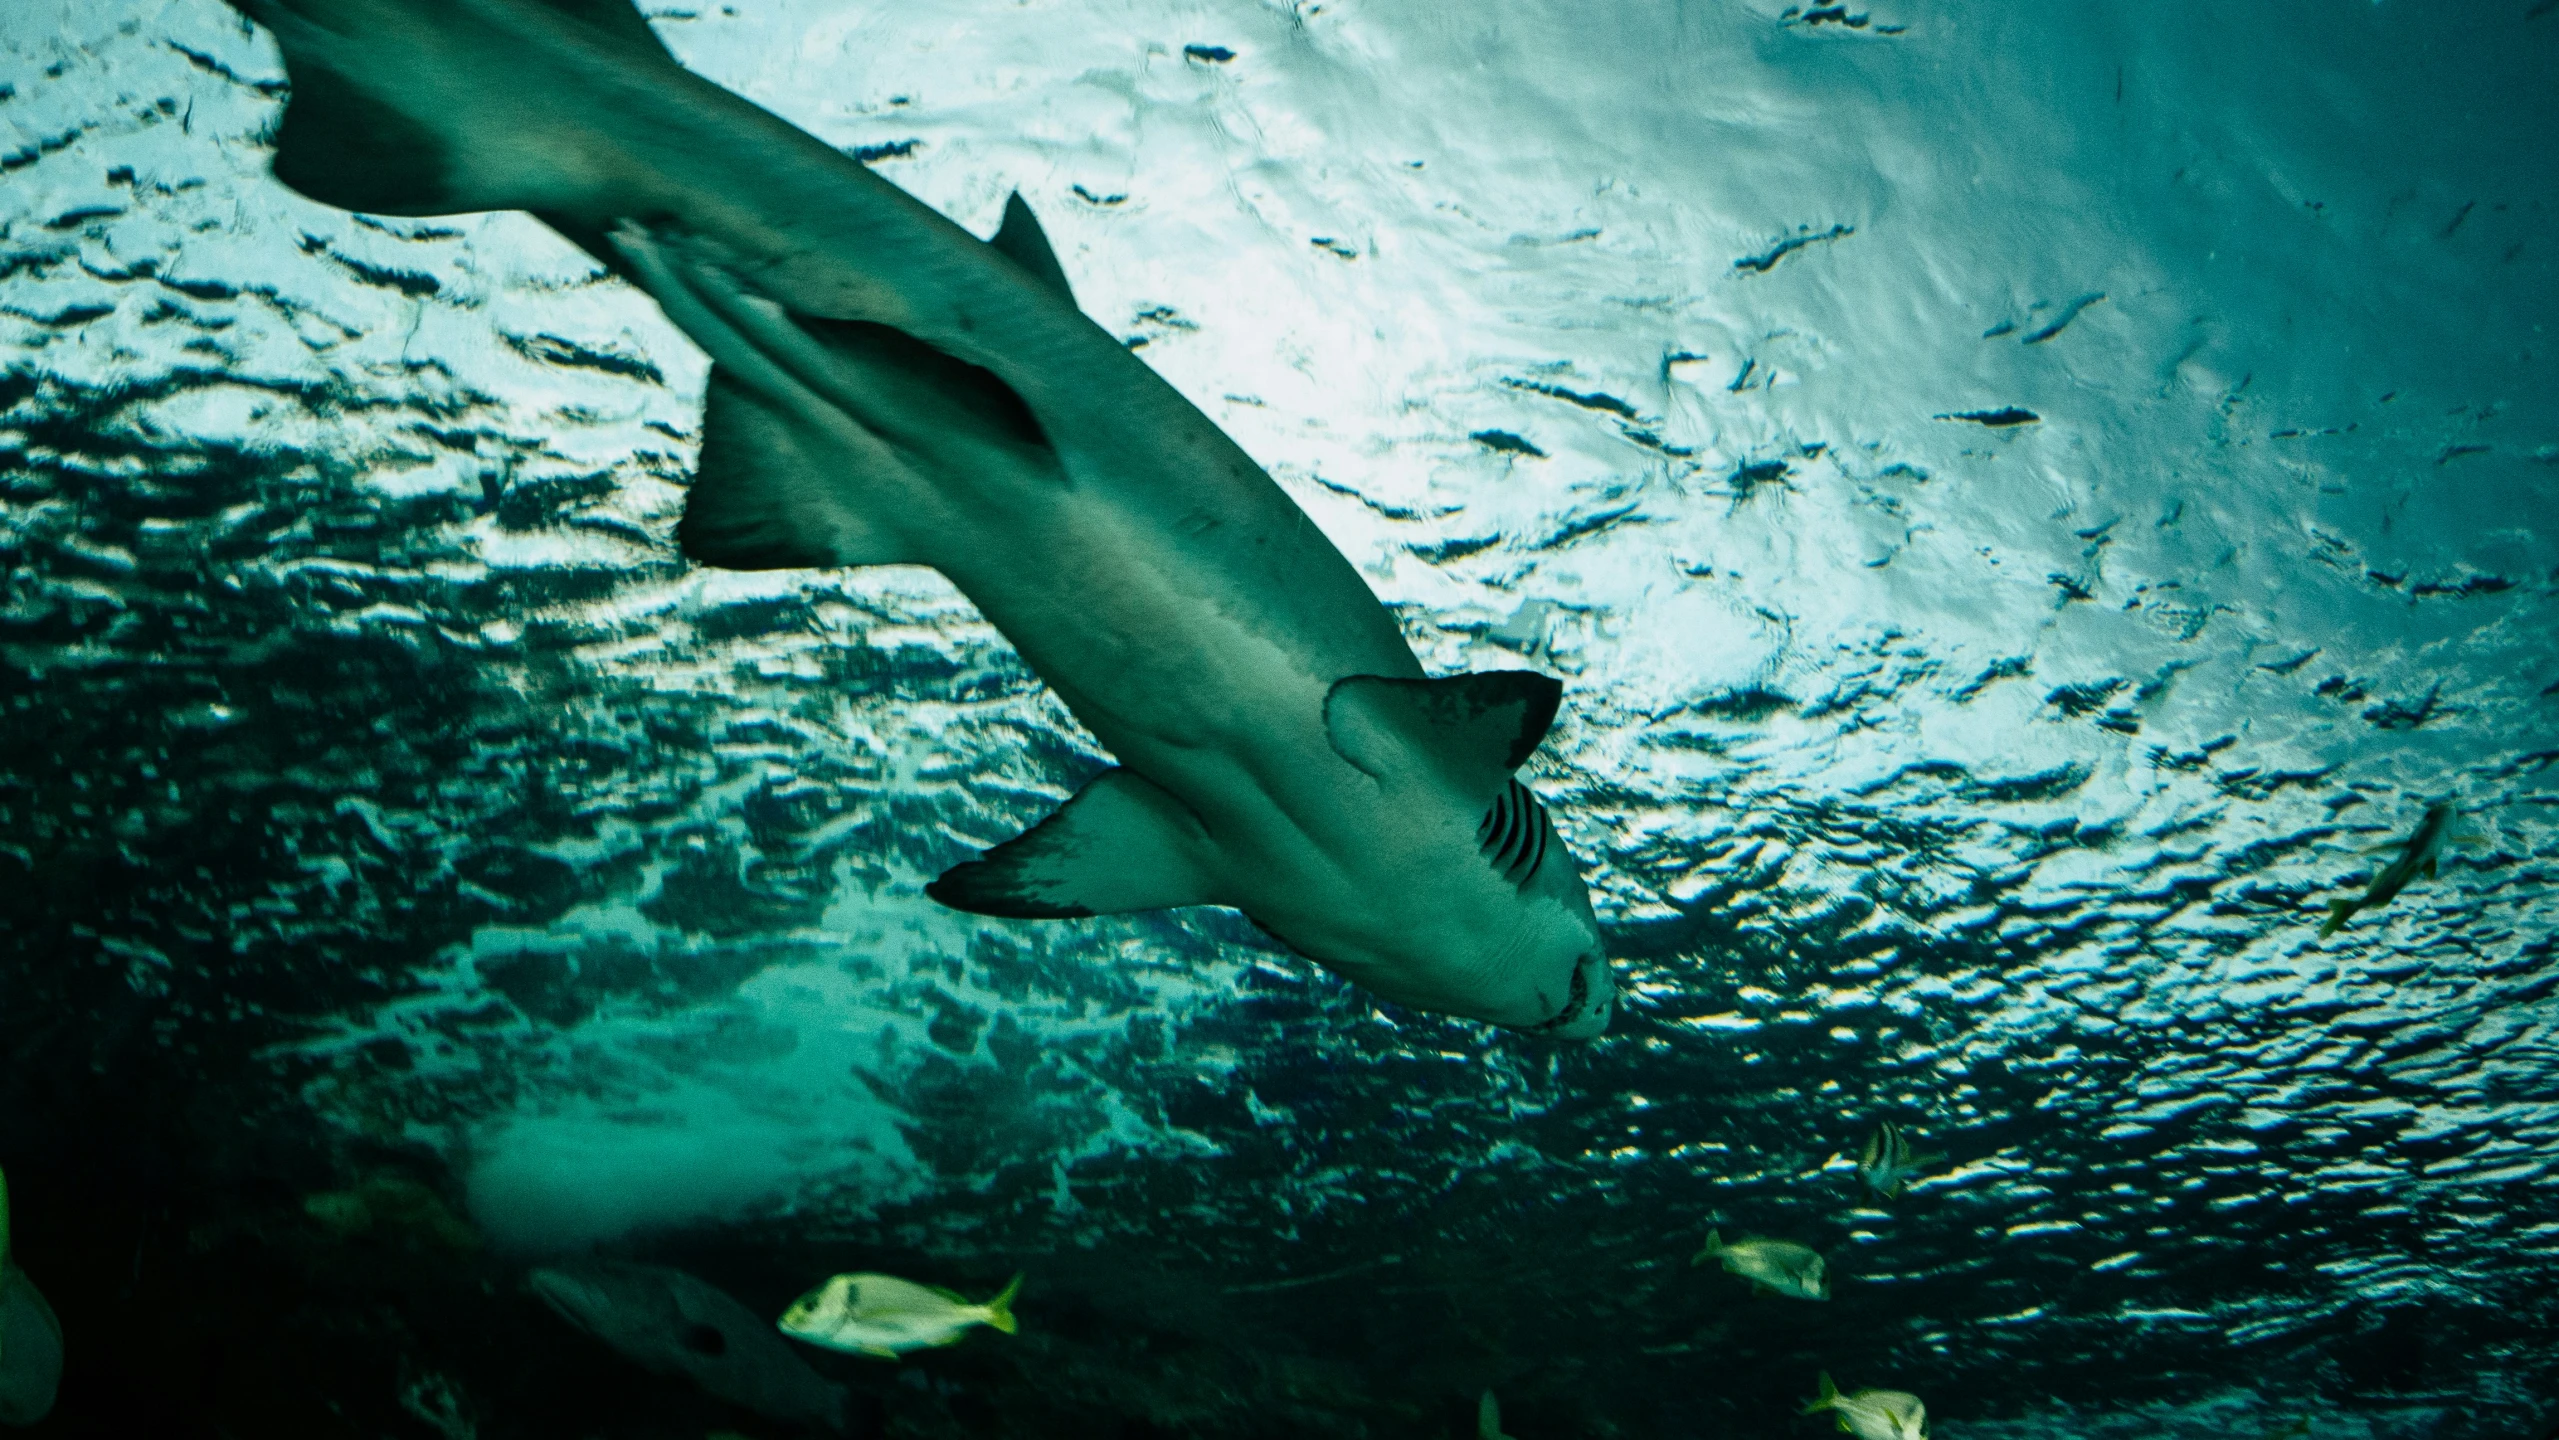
<point>884,1316</point>
<point>1779,1265</point>
<point>1873,1414</point>
<point>2417,855</point>
<point>1889,1162</point>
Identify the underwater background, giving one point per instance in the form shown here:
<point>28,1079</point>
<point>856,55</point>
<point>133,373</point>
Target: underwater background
<point>2021,498</point>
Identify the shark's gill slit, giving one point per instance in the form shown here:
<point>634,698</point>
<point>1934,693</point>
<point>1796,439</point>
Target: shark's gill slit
<point>1513,835</point>
<point>1499,823</point>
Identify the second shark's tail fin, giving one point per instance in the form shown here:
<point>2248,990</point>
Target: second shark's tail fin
<point>435,107</point>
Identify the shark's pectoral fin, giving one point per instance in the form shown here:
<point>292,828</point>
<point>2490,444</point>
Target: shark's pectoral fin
<point>1121,844</point>
<point>1469,731</point>
<point>1023,242</point>
<point>762,499</point>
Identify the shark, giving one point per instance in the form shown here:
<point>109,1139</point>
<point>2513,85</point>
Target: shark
<point>888,389</point>
<point>678,1324</point>
<point>2437,830</point>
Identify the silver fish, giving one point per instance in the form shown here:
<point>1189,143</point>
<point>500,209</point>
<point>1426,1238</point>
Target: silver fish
<point>887,389</point>
<point>884,1316</point>
<point>670,1322</point>
<point>1779,1265</point>
<point>1873,1414</point>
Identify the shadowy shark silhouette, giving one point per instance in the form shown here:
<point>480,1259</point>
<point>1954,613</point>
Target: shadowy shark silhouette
<point>887,389</point>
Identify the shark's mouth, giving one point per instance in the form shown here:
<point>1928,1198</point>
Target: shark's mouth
<point>1576,1002</point>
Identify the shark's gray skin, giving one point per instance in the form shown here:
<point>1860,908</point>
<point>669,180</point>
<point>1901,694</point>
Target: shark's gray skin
<point>887,389</point>
<point>675,1324</point>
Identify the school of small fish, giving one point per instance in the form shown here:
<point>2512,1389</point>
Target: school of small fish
<point>886,1317</point>
<point>672,1322</point>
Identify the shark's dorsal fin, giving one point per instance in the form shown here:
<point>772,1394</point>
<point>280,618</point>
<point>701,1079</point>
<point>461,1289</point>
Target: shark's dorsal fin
<point>760,502</point>
<point>1467,731</point>
<point>1023,242</point>
<point>1121,844</point>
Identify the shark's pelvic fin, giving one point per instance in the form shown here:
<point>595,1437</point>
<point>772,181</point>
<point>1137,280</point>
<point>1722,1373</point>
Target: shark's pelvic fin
<point>762,501</point>
<point>1121,844</point>
<point>1026,245</point>
<point>1469,732</point>
<point>892,415</point>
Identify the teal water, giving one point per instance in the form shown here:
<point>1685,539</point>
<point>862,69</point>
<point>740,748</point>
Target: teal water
<point>2021,502</point>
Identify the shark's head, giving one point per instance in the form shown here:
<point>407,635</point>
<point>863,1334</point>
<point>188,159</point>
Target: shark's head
<point>1447,888</point>
<point>1519,927</point>
<point>1559,934</point>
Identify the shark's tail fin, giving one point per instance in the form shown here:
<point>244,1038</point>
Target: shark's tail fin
<point>2338,911</point>
<point>1714,1248</point>
<point>435,107</point>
